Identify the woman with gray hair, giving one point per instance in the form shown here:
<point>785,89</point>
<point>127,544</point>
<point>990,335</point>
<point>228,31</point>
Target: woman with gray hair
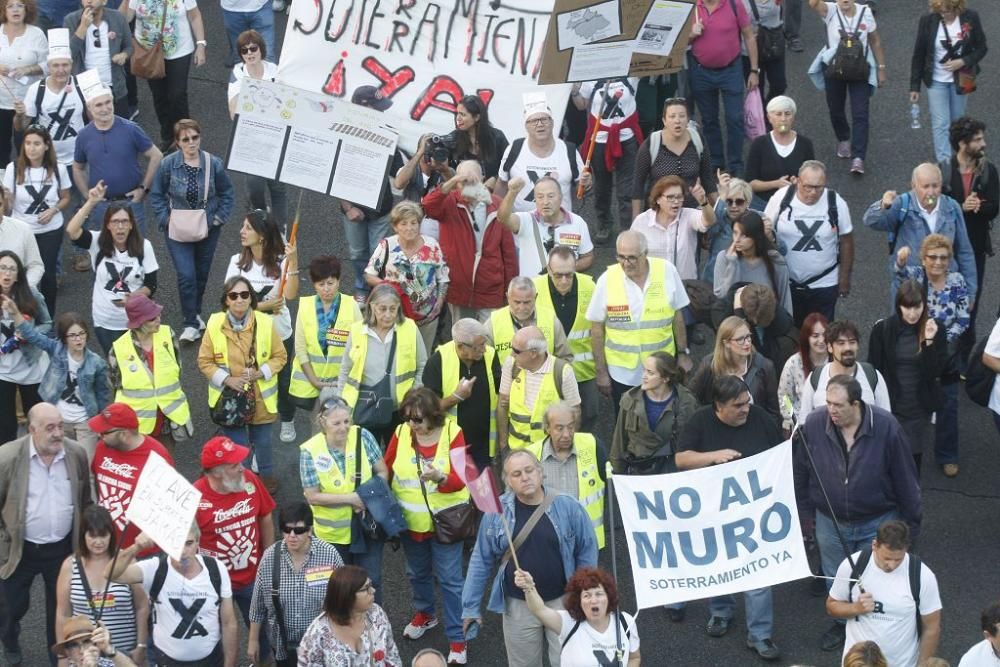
<point>385,359</point>
<point>775,157</point>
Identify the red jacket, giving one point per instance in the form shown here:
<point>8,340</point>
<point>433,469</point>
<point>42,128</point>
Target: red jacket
<point>476,281</point>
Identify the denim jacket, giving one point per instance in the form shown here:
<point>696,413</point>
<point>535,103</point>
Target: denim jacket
<point>42,324</point>
<point>92,376</point>
<point>577,547</point>
<point>170,186</point>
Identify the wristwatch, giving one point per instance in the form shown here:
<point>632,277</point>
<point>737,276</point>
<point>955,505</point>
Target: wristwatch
<point>755,70</point>
<point>687,351</point>
<point>201,42</point>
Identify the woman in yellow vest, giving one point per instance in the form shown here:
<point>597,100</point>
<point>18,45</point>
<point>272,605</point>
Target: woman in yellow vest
<point>146,373</point>
<point>332,464</point>
<point>242,350</point>
<point>321,328</point>
<point>423,480</point>
<point>385,358</point>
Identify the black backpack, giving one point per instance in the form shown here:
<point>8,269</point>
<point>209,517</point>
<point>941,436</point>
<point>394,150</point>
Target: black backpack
<point>979,378</point>
<point>160,576</point>
<point>850,61</point>
<point>518,144</point>
<point>832,216</point>
<point>914,574</point>
<point>870,374</point>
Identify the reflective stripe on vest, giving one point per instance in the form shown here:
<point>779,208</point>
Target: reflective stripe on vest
<point>263,329</point>
<point>333,524</point>
<point>325,367</point>
<point>147,391</point>
<point>502,326</point>
<point>406,483</point>
<point>626,341</point>
<point>579,336</point>
<point>525,427</point>
<point>591,486</point>
<point>404,364</point>
<point>450,376</point>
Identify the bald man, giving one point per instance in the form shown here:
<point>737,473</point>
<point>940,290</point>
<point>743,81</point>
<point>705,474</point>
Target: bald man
<point>44,487</point>
<point>910,217</point>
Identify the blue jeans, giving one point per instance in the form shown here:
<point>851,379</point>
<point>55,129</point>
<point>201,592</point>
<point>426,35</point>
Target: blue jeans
<point>192,262</point>
<point>706,86</point>
<point>857,535</point>
<point>370,561</point>
<point>107,337</point>
<point>362,239</point>
<point>261,20</point>
<point>946,426</point>
<point>258,438</point>
<point>857,130</point>
<point>242,598</point>
<point>96,220</point>
<point>759,608</point>
<point>446,562</point>
<point>945,106</point>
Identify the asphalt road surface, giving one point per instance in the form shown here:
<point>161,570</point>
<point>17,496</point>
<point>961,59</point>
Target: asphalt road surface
<point>960,535</point>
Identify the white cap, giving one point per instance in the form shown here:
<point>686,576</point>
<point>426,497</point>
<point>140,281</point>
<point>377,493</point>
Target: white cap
<point>59,44</point>
<point>534,103</point>
<point>91,85</point>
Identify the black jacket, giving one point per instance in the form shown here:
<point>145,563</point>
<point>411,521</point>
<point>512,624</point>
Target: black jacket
<point>761,378</point>
<point>922,63</point>
<point>987,185</point>
<point>932,359</point>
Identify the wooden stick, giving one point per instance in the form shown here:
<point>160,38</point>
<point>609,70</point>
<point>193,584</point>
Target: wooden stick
<point>510,540</point>
<point>291,241</point>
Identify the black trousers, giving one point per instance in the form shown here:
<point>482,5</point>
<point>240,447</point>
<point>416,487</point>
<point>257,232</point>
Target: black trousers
<point>48,247</point>
<point>36,559</point>
<point>8,403</point>
<point>170,96</point>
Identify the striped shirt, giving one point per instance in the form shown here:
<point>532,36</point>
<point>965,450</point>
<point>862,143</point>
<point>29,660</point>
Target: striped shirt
<point>119,609</point>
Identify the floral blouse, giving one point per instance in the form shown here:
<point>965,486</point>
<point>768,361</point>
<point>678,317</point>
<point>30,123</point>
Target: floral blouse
<point>950,306</point>
<point>178,40</point>
<point>320,648</point>
<point>790,390</point>
<point>423,275</point>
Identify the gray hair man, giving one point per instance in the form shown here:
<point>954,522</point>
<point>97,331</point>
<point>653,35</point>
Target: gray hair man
<point>522,311</point>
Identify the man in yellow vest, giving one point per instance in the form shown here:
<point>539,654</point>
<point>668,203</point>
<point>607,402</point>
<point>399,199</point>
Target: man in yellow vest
<point>521,312</point>
<point>530,381</point>
<point>635,310</point>
<point>465,373</point>
<point>573,463</point>
<point>567,292</point>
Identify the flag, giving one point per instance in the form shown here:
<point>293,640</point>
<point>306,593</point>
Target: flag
<point>481,485</point>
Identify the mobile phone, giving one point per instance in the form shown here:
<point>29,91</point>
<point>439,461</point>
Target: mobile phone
<point>472,632</point>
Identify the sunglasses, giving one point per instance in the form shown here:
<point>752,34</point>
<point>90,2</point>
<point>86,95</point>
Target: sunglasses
<point>298,530</point>
<point>233,296</point>
<point>249,48</point>
<point>190,139</point>
<point>97,37</point>
<point>414,419</point>
<point>735,202</point>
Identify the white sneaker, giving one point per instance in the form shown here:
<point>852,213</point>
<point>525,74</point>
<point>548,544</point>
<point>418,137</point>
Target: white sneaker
<point>456,656</point>
<point>278,5</point>
<point>287,432</point>
<point>190,334</point>
<point>201,324</point>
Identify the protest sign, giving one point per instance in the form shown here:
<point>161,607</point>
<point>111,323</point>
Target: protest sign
<point>163,505</point>
<point>423,56</point>
<point>713,531</point>
<point>308,140</point>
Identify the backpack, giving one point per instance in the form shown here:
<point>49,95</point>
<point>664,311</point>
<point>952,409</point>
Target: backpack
<point>558,367</point>
<point>894,232</point>
<point>850,60</point>
<point>914,574</point>
<point>518,144</point>
<point>979,378</point>
<point>870,374</point>
<point>618,617</point>
<point>160,577</point>
<point>40,96</point>
<point>832,215</point>
<point>656,140</point>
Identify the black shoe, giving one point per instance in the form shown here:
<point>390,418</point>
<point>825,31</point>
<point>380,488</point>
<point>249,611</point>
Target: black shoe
<point>795,44</point>
<point>833,639</point>
<point>717,626</point>
<point>676,615</point>
<point>765,649</point>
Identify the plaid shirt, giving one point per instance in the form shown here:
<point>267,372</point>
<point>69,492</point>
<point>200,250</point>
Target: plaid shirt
<point>307,468</point>
<point>301,592</point>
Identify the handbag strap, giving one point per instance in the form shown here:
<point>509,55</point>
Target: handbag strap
<point>529,525</point>
<point>163,19</point>
<point>279,612</point>
<point>392,352</point>
<point>208,173</point>
<point>423,487</point>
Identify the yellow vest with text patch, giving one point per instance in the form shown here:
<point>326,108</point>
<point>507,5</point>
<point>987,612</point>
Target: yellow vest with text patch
<point>325,366</point>
<point>503,329</point>
<point>627,342</point>
<point>147,391</point>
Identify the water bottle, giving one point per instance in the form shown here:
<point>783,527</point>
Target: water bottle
<point>915,116</point>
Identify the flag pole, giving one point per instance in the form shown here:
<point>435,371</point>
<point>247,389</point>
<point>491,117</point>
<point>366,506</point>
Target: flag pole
<point>510,540</point>
<point>291,241</point>
<point>609,474</point>
<point>114,561</point>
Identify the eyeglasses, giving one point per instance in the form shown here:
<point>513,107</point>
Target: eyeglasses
<point>77,334</point>
<point>938,258</point>
<point>8,269</point>
<point>367,588</point>
<point>625,259</point>
<point>562,276</point>
<point>742,340</point>
<point>673,197</point>
<point>473,347</point>
<point>298,530</point>
<point>544,120</point>
<point>673,101</point>
<point>249,48</point>
<point>190,139</point>
<point>514,350</point>
<point>97,36</point>
<point>15,5</point>
<point>735,202</point>
<point>119,223</point>
<point>811,188</point>
<point>414,419</point>
<point>233,296</point>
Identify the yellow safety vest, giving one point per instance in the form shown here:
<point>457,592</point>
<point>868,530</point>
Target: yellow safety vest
<point>579,336</point>
<point>333,524</point>
<point>263,328</point>
<point>406,479</point>
<point>405,363</point>
<point>145,391</point>
<point>450,366</point>
<point>326,367</point>
<point>524,427</point>
<point>503,329</point>
<point>591,494</point>
<point>626,342</point>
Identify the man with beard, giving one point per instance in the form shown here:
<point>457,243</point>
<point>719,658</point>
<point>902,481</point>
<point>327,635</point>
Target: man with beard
<point>842,341</point>
<point>121,455</point>
<point>234,517</point>
<point>480,251</point>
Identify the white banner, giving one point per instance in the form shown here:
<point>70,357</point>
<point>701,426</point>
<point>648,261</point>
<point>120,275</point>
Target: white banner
<point>163,505</point>
<point>423,56</point>
<point>717,530</point>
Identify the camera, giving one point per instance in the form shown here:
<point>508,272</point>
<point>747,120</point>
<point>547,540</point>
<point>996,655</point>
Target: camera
<point>439,148</point>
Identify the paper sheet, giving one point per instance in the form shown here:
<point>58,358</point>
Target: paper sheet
<point>588,24</point>
<point>600,61</point>
<point>661,27</point>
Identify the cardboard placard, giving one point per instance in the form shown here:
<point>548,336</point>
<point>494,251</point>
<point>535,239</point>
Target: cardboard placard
<point>163,505</point>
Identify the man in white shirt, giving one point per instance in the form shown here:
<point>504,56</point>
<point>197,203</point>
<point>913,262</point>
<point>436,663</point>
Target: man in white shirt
<point>879,599</point>
<point>814,223</point>
<point>987,652</point>
<point>549,225</point>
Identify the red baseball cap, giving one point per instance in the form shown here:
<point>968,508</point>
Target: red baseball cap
<point>220,450</point>
<point>115,415</point>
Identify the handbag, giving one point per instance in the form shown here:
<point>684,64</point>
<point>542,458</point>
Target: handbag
<point>452,524</point>
<point>965,78</point>
<point>236,408</point>
<point>753,115</point>
<point>149,63</point>
<point>770,41</point>
<point>375,402</point>
<point>191,225</point>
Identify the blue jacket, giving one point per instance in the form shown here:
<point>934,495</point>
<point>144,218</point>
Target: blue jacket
<point>91,378</point>
<point>42,324</point>
<point>381,503</point>
<point>170,187</point>
<point>577,548</point>
<point>911,228</point>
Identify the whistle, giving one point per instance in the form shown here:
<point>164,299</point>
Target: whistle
<point>848,43</point>
<point>783,128</point>
<point>930,200</point>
